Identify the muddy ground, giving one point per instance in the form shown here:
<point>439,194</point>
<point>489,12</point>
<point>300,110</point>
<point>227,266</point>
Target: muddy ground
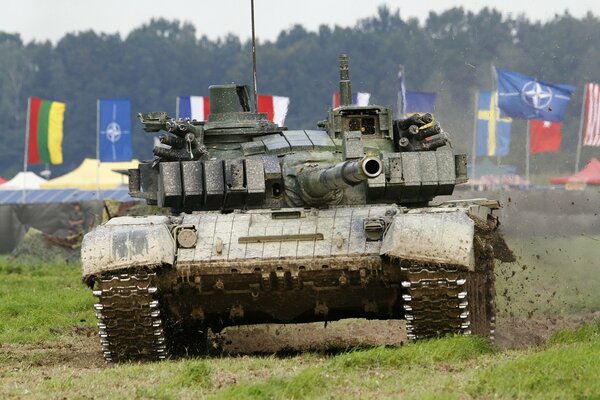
<point>84,350</point>
<point>511,332</point>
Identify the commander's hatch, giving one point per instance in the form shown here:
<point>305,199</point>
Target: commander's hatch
<point>373,122</point>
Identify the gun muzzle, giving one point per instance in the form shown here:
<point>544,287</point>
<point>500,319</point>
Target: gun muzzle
<point>319,181</point>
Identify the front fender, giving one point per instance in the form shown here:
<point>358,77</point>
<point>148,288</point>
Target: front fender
<point>440,237</point>
<point>127,242</point>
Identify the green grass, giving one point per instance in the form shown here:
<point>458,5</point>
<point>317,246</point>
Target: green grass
<point>368,368</point>
<point>567,367</point>
<point>449,368</point>
<point>42,302</point>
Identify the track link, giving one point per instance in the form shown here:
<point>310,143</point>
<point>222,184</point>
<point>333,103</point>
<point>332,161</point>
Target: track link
<point>129,318</point>
<point>435,301</point>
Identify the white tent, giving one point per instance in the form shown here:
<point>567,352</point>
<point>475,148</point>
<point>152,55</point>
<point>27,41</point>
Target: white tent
<point>23,180</point>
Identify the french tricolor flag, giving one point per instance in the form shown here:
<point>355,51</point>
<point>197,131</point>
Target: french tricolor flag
<point>198,107</point>
<point>358,99</point>
<point>276,107</point>
<point>193,107</point>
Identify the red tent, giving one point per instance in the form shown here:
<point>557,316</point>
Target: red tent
<point>2,180</point>
<point>589,175</point>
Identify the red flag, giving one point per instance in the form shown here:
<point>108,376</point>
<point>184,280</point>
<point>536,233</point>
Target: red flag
<point>545,136</point>
<point>592,111</point>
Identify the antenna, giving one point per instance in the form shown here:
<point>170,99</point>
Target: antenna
<point>254,58</point>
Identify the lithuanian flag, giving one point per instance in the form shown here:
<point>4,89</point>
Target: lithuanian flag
<point>45,131</point>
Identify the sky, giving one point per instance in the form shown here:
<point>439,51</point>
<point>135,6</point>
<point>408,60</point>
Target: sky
<point>42,20</point>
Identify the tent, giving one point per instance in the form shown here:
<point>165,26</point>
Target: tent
<point>23,180</point>
<point>89,176</point>
<point>589,175</point>
<point>2,180</point>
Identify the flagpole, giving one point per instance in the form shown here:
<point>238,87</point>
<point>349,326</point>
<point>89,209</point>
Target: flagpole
<point>401,103</point>
<point>26,153</point>
<point>254,58</point>
<point>98,149</point>
<point>495,103</point>
<point>177,107</point>
<point>474,155</point>
<point>528,150</point>
<point>581,118</point>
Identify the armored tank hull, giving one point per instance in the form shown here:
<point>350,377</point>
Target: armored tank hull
<point>163,281</point>
<point>271,225</point>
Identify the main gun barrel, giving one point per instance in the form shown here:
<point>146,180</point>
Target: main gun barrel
<point>320,181</point>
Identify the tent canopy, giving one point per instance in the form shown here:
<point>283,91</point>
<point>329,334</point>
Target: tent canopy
<point>23,180</point>
<point>589,175</point>
<point>85,176</point>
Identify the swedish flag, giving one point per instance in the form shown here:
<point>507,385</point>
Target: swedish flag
<point>493,128</point>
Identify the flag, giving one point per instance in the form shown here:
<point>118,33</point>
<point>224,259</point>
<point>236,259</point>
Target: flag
<point>419,102</point>
<point>193,107</point>
<point>198,107</point>
<point>521,96</point>
<point>401,92</point>
<point>592,111</point>
<point>45,131</point>
<point>493,127</point>
<point>358,99</point>
<point>114,123</point>
<point>276,107</point>
<point>545,136</point>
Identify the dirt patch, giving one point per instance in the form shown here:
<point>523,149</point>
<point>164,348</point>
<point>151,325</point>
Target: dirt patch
<point>82,353</point>
<point>338,335</point>
<point>516,332</point>
<point>511,332</point>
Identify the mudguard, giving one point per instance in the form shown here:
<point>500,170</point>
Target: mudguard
<point>442,237</point>
<point>127,242</point>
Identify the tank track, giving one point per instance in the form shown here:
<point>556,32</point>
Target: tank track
<point>435,301</point>
<point>129,318</point>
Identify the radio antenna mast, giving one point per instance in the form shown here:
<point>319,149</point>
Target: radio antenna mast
<point>254,58</point>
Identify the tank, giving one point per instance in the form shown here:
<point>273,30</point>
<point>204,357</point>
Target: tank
<point>270,225</point>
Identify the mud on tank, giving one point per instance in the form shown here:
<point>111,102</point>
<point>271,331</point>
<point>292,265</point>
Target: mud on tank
<point>272,225</point>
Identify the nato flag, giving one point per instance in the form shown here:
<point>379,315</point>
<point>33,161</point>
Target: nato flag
<point>521,96</point>
<point>114,121</point>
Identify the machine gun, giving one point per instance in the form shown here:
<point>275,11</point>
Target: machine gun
<point>186,141</point>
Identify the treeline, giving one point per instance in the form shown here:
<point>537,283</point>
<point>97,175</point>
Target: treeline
<point>451,53</point>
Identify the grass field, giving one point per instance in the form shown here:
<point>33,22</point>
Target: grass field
<point>48,347</point>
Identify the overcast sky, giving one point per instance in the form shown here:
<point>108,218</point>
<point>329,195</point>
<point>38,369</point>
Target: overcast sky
<point>51,19</point>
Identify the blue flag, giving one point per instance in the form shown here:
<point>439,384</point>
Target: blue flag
<point>521,96</point>
<point>420,102</point>
<point>114,119</point>
<point>493,127</point>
